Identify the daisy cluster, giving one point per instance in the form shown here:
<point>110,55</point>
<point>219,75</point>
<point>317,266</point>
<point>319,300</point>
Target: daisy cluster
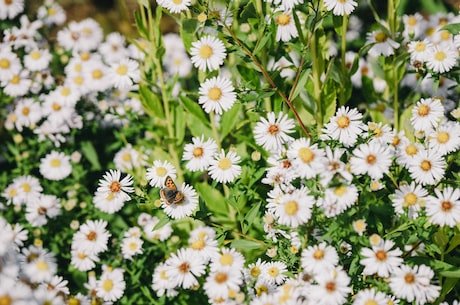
<point>203,197</point>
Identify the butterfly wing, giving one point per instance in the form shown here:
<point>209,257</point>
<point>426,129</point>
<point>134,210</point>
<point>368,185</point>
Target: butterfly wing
<point>170,194</point>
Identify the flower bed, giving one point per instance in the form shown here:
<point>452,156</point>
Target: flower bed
<point>279,152</point>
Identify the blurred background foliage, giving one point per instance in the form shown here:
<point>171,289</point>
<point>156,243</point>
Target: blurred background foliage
<point>118,15</point>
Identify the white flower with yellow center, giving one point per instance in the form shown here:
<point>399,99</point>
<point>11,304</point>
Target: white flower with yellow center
<point>217,95</point>
<point>157,173</point>
<point>111,286</point>
<point>441,60</point>
<point>55,166</point>
<point>286,29</point>
<point>340,7</point>
<point>224,167</point>
<point>345,126</point>
<point>208,53</point>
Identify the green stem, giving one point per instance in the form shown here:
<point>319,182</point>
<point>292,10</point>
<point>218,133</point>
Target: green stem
<point>343,88</point>
<point>395,96</point>
<point>316,78</point>
<point>215,131</point>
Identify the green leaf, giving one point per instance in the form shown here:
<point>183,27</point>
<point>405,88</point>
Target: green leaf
<point>142,29</point>
<point>163,221</point>
<point>245,244</point>
<point>250,76</point>
<point>214,199</point>
<point>440,238</point>
<point>453,243</point>
<point>179,125</point>
<point>451,273</point>
<point>88,150</point>
<point>194,108</point>
<point>187,32</point>
<point>453,28</point>
<point>229,120</point>
<point>266,39</point>
<point>198,127</point>
<point>329,101</point>
<point>249,11</point>
<point>304,75</point>
<point>250,216</point>
<point>150,102</point>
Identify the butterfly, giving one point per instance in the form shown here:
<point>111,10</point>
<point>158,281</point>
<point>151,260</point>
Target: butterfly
<point>170,193</point>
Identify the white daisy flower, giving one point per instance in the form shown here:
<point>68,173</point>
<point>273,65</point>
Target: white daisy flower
<point>37,59</point>
<point>286,29</point>
<point>127,159</point>
<point>334,167</point>
<point>220,283</point>
<point>46,207</point>
<point>338,199</point>
<point>28,189</point>
<point>406,152</point>
<point>157,173</point>
<point>271,132</point>
<point>294,208</point>
<point>318,259</point>
<point>51,13</point>
<point>426,114</point>
<point>340,7</point>
<point>208,53</point>
<point>229,258</point>
<point>409,198</point>
<point>112,191</point>
<point>85,35</point>
<point>217,95</point>
<point>183,268</point>
<point>199,153</point>
<point>370,296</point>
<point>419,50</point>
<point>82,260</point>
<point>184,207</point>
<point>40,266</point>
<point>414,25</point>
<point>427,167</point>
<point>55,166</point>
<point>274,272</point>
<point>331,288</point>
<point>307,158</point>
<point>345,126</point>
<point>224,167</point>
<point>441,60</point>
<point>381,260</point>
<point>92,237</point>
<point>413,284</point>
<point>373,159</point>
<point>382,43</point>
<point>113,48</point>
<point>10,9</point>
<point>124,74</point>
<point>175,6</point>
<point>444,208</point>
<point>111,286</point>
<point>446,138</point>
<point>206,247</point>
<point>160,234</point>
<point>161,283</point>
<point>18,85</point>
<point>28,113</point>
<point>131,246</point>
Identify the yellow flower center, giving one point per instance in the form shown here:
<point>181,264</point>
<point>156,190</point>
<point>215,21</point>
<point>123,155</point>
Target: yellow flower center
<point>15,80</point>
<point>306,155</point>
<point>425,165</point>
<point>56,106</point>
<point>25,111</point>
<point>202,17</point>
<point>97,74</point>
<point>371,159</point>
<point>132,246</point>
<point>122,70</point>
<point>26,187</point>
<point>410,199</point>
<point>445,35</point>
<point>41,265</point>
<point>72,301</point>
<point>107,285</point>
<point>4,63</point>
<point>226,259</point>
<point>12,192</point>
<point>177,2</point>
<point>330,287</point>
<point>55,163</point>
<point>340,191</point>
<point>198,244</point>
<point>35,55</point>
<point>359,225</point>
<point>51,11</point>
<point>126,157</point>
<point>221,277</point>
<point>291,207</point>
<point>205,52</point>
<point>283,19</point>
<point>440,55</point>
<point>215,93</point>
<point>370,302</point>
<point>255,271</point>
<point>318,254</point>
<point>411,150</point>
<point>197,152</point>
<point>6,300</point>
<point>420,46</point>
<point>115,187</point>
<point>409,278</point>
<point>78,80</point>
<point>446,206</point>
<point>412,21</point>
<point>443,137</point>
<point>381,255</point>
<point>273,271</point>
<point>224,163</point>
<point>161,171</point>
<point>380,37</point>
<point>85,56</point>
<point>81,255</point>
<point>343,121</point>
